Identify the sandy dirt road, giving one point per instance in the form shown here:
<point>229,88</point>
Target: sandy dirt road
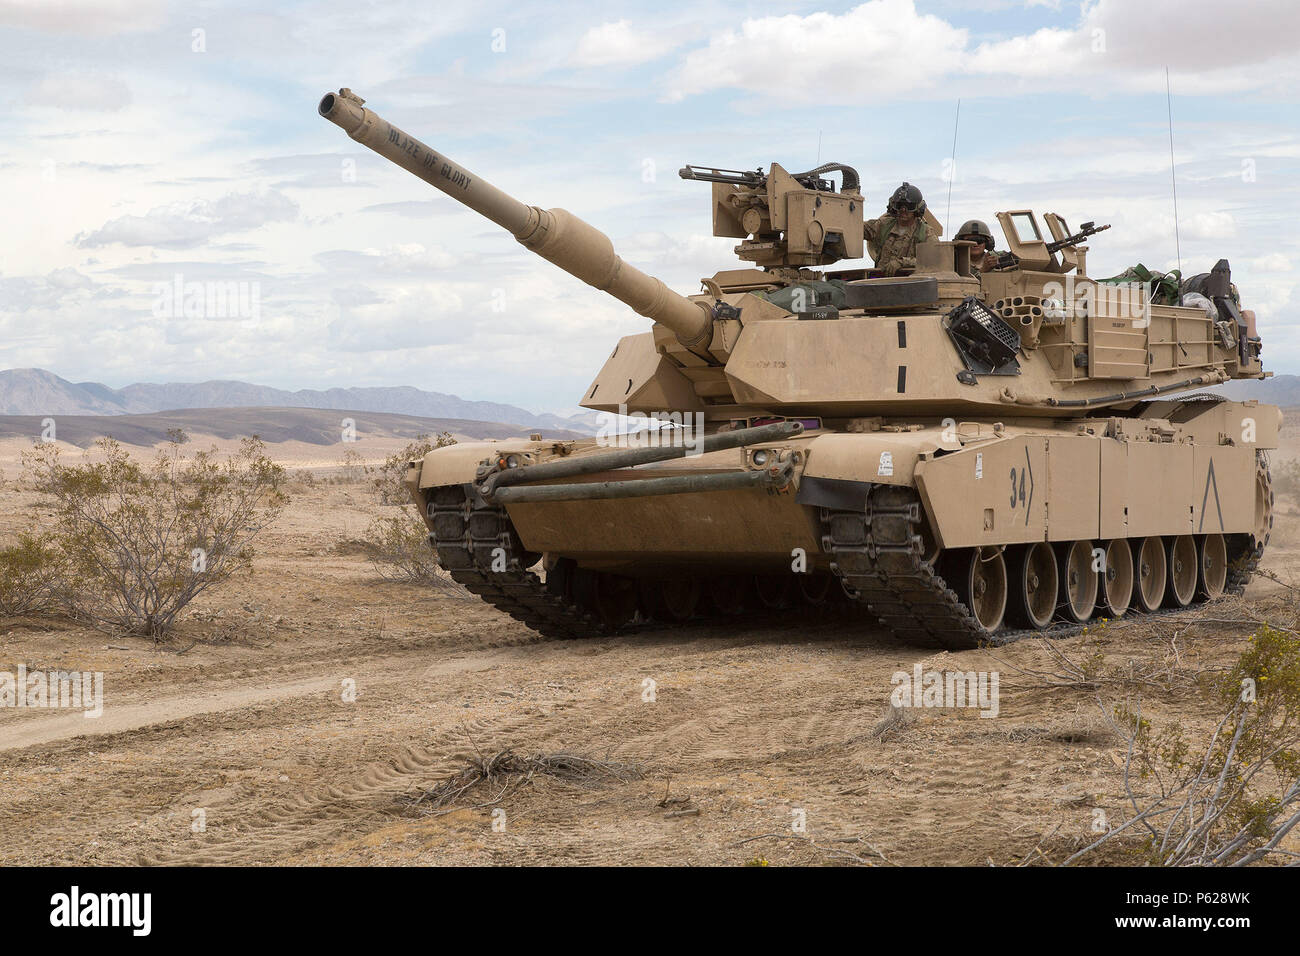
<point>251,731</point>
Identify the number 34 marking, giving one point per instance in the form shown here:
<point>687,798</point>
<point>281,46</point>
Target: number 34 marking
<point>1017,487</point>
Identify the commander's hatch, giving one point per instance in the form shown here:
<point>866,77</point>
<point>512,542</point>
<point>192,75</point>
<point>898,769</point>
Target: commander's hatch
<point>1020,226</point>
<point>1072,257</point>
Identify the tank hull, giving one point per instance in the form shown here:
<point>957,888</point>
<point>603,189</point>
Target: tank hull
<point>900,514</point>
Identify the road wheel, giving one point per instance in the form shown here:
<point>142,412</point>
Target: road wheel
<point>1212,567</point>
<point>1033,586</point>
<point>1149,572</point>
<point>1182,564</point>
<point>1263,504</point>
<point>1117,578</point>
<point>775,592</point>
<point>815,589</point>
<point>1078,582</point>
<point>981,584</point>
<point>729,594</point>
<point>612,597</point>
<point>677,600</point>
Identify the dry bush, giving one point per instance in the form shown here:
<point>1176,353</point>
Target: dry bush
<point>301,481</point>
<point>136,542</point>
<point>354,466</point>
<point>896,720</point>
<point>30,571</point>
<point>1286,477</point>
<point>507,771</point>
<point>1234,800</point>
<point>399,546</point>
<point>386,480</point>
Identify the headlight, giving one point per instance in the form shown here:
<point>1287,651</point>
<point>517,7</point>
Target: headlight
<point>761,457</point>
<point>512,461</point>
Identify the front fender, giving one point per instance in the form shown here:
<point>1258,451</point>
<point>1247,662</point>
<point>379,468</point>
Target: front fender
<point>887,458</point>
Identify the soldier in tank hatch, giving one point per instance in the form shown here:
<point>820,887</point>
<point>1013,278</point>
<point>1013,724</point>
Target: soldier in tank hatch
<point>892,238</point>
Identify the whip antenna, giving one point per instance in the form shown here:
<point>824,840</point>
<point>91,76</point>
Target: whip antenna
<point>1173,177</point>
<point>952,167</point>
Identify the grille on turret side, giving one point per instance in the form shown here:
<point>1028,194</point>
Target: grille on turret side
<point>987,344</point>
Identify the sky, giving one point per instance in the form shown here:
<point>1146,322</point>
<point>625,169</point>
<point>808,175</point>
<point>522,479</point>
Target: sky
<point>148,145</point>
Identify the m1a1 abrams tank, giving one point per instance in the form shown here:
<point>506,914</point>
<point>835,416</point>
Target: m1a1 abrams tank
<point>967,456</point>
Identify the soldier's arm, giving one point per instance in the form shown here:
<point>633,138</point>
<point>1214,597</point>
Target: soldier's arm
<point>871,232</point>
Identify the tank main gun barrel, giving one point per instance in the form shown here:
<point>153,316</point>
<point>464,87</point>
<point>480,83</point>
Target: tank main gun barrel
<point>554,234</point>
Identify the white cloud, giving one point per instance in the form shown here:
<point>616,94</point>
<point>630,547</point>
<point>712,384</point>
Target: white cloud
<point>186,225</point>
<point>80,91</point>
<point>1275,262</point>
<point>880,48</point>
<point>1208,225</point>
<point>23,294</point>
<point>886,47</point>
<point>618,44</point>
<point>82,16</point>
<point>414,257</point>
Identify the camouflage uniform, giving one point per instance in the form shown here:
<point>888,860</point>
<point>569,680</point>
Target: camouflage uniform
<point>892,247</point>
<point>992,255</point>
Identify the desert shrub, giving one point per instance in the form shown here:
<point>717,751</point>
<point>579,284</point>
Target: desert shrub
<point>386,480</point>
<point>30,571</point>
<point>399,549</point>
<point>398,544</point>
<point>354,466</point>
<point>1231,801</point>
<point>1286,477</point>
<point>138,542</point>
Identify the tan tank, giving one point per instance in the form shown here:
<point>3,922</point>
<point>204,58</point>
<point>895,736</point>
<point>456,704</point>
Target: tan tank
<point>964,455</point>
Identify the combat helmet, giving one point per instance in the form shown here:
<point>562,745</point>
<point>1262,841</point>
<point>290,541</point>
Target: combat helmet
<point>976,230</point>
<point>908,196</point>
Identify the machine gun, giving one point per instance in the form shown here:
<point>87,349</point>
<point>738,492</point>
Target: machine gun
<point>786,220</point>
<point>736,177</point>
<point>757,179</point>
<point>1009,260</point>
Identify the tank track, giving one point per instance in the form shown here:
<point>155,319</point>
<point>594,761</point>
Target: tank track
<point>879,555</point>
<point>1241,570</point>
<point>1242,565</point>
<point>476,544</point>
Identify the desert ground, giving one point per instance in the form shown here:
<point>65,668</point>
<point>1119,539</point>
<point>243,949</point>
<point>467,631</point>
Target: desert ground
<point>244,721</point>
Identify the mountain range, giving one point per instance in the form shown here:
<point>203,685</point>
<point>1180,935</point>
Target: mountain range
<point>34,391</point>
<point>1281,390</point>
<point>311,426</point>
